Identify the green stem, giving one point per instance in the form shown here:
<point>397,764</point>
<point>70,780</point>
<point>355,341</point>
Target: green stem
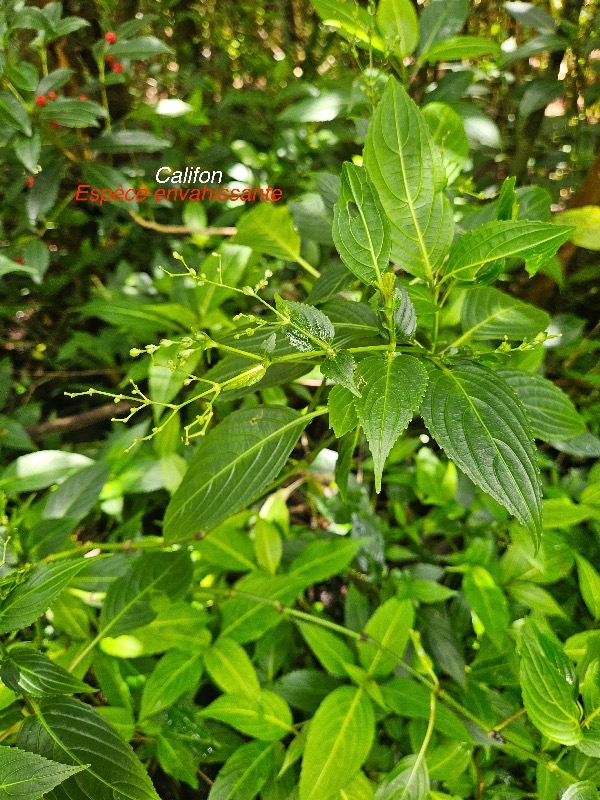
<point>308,267</point>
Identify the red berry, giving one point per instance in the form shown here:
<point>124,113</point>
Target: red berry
<point>19,260</point>
<point>30,181</point>
<point>109,59</point>
<point>111,37</point>
<point>54,124</point>
<point>40,100</point>
<point>83,97</point>
<point>52,95</point>
<point>117,68</point>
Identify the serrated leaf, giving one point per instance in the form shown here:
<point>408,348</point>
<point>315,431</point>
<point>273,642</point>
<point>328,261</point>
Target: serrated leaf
<point>176,672</point>
<point>389,626</point>
<point>72,733</point>
<point>340,368</point>
<point>29,671</point>
<point>408,174</point>
<point>31,598</point>
<point>342,411</point>
<point>391,389</point>
<point>457,48</point>
<point>478,420</point>
<point>405,315</point>
<point>586,224</point>
<point>309,327</point>
<point>440,20</point>
<point>346,722</point>
<point>533,242</point>
<point>399,26</point>
<point>548,684</point>
<point>127,604</point>
<point>26,776</point>
<point>266,717</point>
<point>244,773</point>
<point>488,313</point>
<point>487,600</point>
<point>409,780</point>
<point>448,132</point>
<point>247,450</point>
<point>552,415</point>
<point>230,668</point>
<point>361,230</point>
<point>269,229</point>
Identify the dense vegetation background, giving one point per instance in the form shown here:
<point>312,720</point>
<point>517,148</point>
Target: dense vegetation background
<point>272,581</point>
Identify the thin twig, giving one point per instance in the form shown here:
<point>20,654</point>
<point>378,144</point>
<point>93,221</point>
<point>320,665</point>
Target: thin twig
<point>183,229</point>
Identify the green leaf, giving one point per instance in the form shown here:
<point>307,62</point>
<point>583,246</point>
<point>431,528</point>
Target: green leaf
<point>488,313</point>
<point>13,115</point>
<point>478,420</point>
<point>29,671</point>
<point>331,651</point>
<point>389,626</point>
<point>409,780</point>
<point>266,717</point>
<point>43,193</point>
<point>533,242</point>
<point>351,20</point>
<point>27,150</point>
<point>531,16</point>
<point>586,222</point>
<point>359,788</point>
<point>391,390</point>
<point>399,26</point>
<point>323,559</point>
<point>537,95</point>
<point>340,368</point>
<point>177,672</point>
<point>244,773</point>
<point>412,700</point>
<point>129,142</point>
<point>582,790</point>
<point>589,585</point>
<point>139,48</point>
<point>448,132</point>
<point>361,230</point>
<point>487,600</point>
<point>26,776</point>
<point>228,665</point>
<point>309,328</point>
<point>342,411</point>
<point>341,732</point>
<point>457,48</point>
<point>552,415</point>
<point>31,598</point>
<point>54,81</point>
<point>180,626</point>
<point>73,113</point>
<point>407,171</point>
<point>127,605</point>
<point>73,733</point>
<point>99,176</point>
<point>405,315</point>
<point>76,496</point>
<point>269,229</point>
<point>548,685</point>
<point>246,451</point>
<point>268,546</point>
<point>440,20</point>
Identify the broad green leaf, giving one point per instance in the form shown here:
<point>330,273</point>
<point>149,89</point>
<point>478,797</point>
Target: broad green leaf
<point>391,388</point>
<point>27,150</point>
<point>530,16</point>
<point>457,48</point>
<point>268,545</point>
<point>244,773</point>
<point>100,176</point>
<point>139,48</point>
<point>351,20</point>
<point>405,315</point>
<point>325,107</point>
<point>230,668</point>
<point>359,788</point>
<point>73,113</point>
<point>399,26</point>
<point>13,114</point>
<point>589,585</point>
<point>488,313</point>
<point>269,229</point>
<point>42,195</point>
<point>177,672</point>
<point>533,242</point>
<point>412,700</point>
<point>389,626</point>
<point>227,548</point>
<point>180,626</point>
<point>342,411</point>
<point>409,780</point>
<point>448,132</point>
<point>41,469</point>
<point>26,776</point>
<point>340,368</point>
<point>478,420</point>
<point>232,466</point>
<point>322,559</point>
<point>586,222</point>
<point>487,600</point>
<point>30,599</point>
<point>582,790</point>
<point>266,717</point>
<point>552,415</point>
<point>73,733</point>
<point>54,80</point>
<point>27,670</point>
<point>548,684</point>
<point>340,733</point>
<point>440,20</point>
<point>361,230</point>
<point>332,651</point>
<point>128,141</point>
<point>309,328</point>
<point>305,688</point>
<point>76,496</point>
<point>537,95</point>
<point>406,169</point>
<point>128,601</point>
